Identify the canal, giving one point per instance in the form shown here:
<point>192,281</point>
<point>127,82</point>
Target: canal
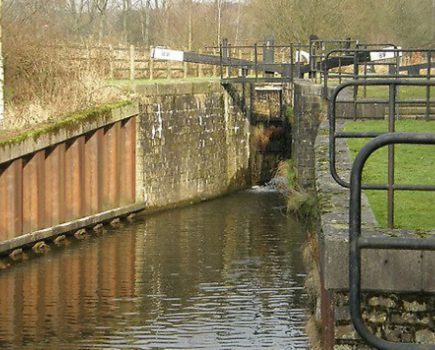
<point>224,274</point>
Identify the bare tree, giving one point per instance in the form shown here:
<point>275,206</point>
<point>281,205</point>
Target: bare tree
<point>219,4</point>
<point>2,80</point>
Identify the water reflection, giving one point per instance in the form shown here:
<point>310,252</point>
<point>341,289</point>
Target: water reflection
<point>224,274</point>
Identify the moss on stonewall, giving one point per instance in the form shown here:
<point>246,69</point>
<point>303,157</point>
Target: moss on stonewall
<point>70,122</point>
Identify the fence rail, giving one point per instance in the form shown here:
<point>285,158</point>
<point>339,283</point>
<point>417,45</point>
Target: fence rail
<point>120,63</point>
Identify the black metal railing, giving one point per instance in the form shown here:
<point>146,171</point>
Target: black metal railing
<point>401,63</point>
<point>264,62</point>
<point>359,242</point>
<point>319,48</point>
<point>335,134</point>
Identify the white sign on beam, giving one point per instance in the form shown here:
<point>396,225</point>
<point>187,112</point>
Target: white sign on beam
<point>383,55</point>
<point>159,53</point>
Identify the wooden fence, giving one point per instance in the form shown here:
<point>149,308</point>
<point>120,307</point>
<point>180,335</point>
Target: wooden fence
<point>119,63</point>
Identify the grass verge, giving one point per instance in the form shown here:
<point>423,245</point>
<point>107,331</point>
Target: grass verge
<point>414,164</point>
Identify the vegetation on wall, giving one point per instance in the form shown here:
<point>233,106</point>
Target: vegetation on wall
<point>42,82</point>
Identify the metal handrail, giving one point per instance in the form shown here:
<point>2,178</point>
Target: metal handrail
<point>320,47</point>
<point>357,242</point>
<point>391,186</point>
<point>360,57</point>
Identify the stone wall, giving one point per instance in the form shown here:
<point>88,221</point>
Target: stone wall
<point>193,144</point>
<point>307,108</point>
<point>398,301</point>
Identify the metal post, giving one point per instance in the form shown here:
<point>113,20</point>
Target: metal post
<point>391,128</point>
<point>220,61</point>
<point>428,75</point>
<point>339,69</point>
<point>397,88</point>
<point>256,60</point>
<point>355,88</point>
<point>268,54</point>
<point>365,76</point>
<point>292,62</point>
<point>325,79</point>
<point>229,67</point>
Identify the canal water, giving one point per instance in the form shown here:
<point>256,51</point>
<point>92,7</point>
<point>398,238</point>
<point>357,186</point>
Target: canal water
<point>224,274</point>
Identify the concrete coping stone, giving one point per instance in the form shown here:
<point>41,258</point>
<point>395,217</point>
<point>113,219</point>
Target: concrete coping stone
<point>178,88</point>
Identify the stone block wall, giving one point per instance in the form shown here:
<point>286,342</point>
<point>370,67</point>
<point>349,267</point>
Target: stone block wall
<point>193,144</point>
<point>307,107</point>
<point>398,299</point>
<point>400,318</point>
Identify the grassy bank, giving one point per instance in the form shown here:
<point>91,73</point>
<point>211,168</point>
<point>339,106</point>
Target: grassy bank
<point>403,92</point>
<point>414,165</point>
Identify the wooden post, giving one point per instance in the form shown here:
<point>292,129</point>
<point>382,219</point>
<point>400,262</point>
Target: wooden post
<point>184,70</point>
<point>132,62</point>
<point>240,57</point>
<point>151,64</point>
<point>200,68</point>
<point>168,69</point>
<point>111,66</point>
<point>215,66</point>
<point>88,58</point>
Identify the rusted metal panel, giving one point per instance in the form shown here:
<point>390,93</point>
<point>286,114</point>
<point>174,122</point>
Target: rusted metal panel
<point>54,185</point>
<point>92,172</point>
<point>11,200</point>
<point>74,180</point>
<point>128,162</point>
<point>111,172</point>
<point>33,192</point>
<point>4,215</point>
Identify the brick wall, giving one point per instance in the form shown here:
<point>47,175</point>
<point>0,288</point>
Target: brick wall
<point>398,301</point>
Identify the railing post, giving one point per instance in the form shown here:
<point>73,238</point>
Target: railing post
<point>355,88</point>
<point>428,76</point>
<point>391,157</point>
<point>256,60</point>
